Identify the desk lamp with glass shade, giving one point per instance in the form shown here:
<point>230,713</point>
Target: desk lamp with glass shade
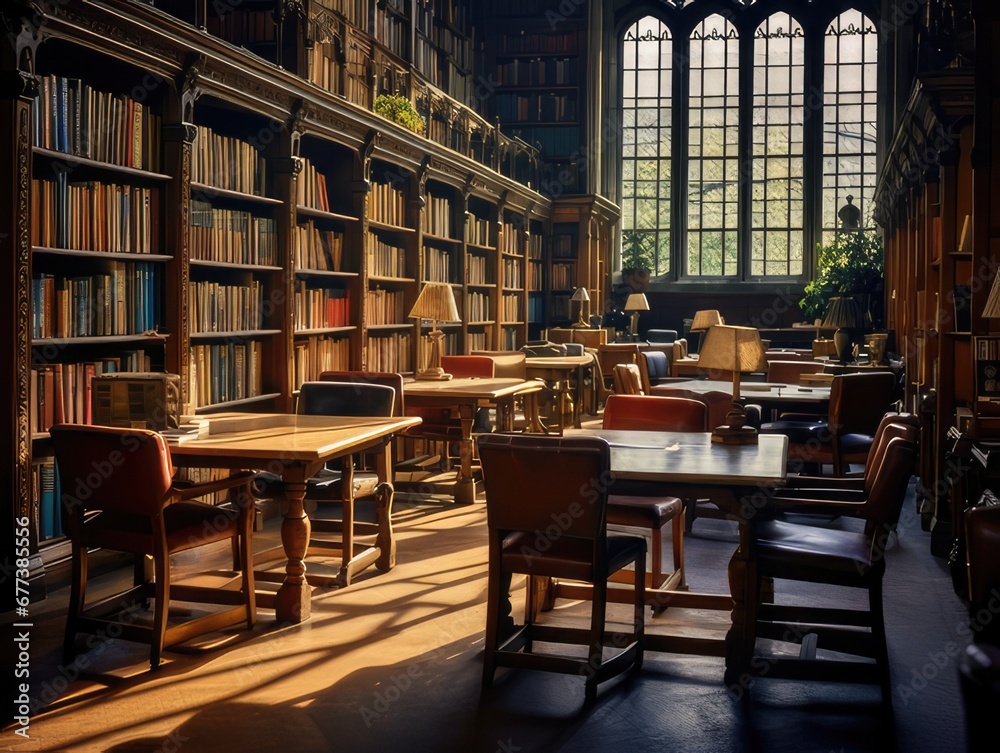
<point>581,296</point>
<point>845,314</point>
<point>704,320</point>
<point>636,302</point>
<point>740,351</point>
<point>437,303</point>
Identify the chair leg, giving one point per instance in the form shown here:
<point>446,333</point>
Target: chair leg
<point>493,597</point>
<point>385,541</point>
<point>639,617</point>
<point>161,561</point>
<point>77,599</point>
<point>677,547</point>
<point>881,648</point>
<point>598,610</point>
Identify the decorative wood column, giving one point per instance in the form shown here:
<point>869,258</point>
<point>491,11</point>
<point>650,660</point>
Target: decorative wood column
<point>18,89</point>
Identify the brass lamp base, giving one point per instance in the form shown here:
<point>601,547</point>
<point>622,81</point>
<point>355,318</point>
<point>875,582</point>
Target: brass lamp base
<point>735,435</point>
<point>432,375</point>
<point>736,432</point>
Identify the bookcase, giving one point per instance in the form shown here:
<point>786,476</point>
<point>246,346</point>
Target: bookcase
<point>241,225</point>
<point>539,70</point>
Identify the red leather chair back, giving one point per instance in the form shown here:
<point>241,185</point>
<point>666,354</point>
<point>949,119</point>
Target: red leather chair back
<point>652,413</point>
<point>463,367</point>
<point>105,468</point>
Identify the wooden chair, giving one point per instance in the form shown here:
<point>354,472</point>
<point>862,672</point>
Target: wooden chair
<point>545,484</point>
<point>644,505</point>
<point>608,356</point>
<point>786,550</point>
<point>627,380</point>
<point>857,404</point>
<point>464,367</point>
<point>790,372</point>
<point>824,348</point>
<point>350,397</point>
<point>123,499</point>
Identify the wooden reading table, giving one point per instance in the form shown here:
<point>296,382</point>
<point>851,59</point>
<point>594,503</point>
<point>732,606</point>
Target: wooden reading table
<point>297,447</point>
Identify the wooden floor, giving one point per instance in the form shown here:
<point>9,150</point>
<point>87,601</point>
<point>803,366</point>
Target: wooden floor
<point>393,663</point>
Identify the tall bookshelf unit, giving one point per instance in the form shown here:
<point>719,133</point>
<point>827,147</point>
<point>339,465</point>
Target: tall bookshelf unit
<point>930,266</point>
<point>254,225</point>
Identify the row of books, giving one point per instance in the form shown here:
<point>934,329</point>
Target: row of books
<point>321,307</point>
<point>510,338</point>
<point>536,107</point>
<point>536,308</point>
<point>512,274</point>
<point>232,236</point>
<point>563,275</point>
<point>47,498</point>
<point>225,371</point>
<point>510,239</point>
<point>314,355</point>
<point>325,67</point>
<point>437,216</point>
<point>310,188</point>
<point>318,249</point>
<point>228,163</point>
<point>539,42</point>
<point>385,306</point>
<point>535,276</point>
<point>538,72</point>
<point>480,340</point>
<point>60,392</point>
<point>477,230</point>
<point>390,352</point>
<point>216,307</point>
<point>357,86</point>
<point>478,270</point>
<point>123,302</point>
<point>355,11</point>
<point>477,307</point>
<point>560,306</point>
<point>511,308</point>
<point>437,265</point>
<point>391,30</point>
<point>387,204</point>
<point>438,40</point>
<point>535,246</point>
<point>93,216</point>
<point>384,260</point>
<point>71,116</point>
<point>563,246</point>
<point>242,26</point>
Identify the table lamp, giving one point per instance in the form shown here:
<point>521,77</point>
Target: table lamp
<point>845,314</point>
<point>581,296</point>
<point>705,320</point>
<point>437,303</point>
<point>636,302</point>
<point>739,350</point>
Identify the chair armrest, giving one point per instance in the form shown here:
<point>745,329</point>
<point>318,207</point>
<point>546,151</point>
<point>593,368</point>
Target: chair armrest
<point>187,490</point>
<point>853,508</point>
<point>824,482</point>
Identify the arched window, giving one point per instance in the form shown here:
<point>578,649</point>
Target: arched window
<point>776,239</point>
<point>744,131</point>
<point>850,94</point>
<point>713,149</point>
<point>646,136</point>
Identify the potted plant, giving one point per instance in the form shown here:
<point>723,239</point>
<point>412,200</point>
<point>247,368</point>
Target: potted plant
<point>637,259</point>
<point>853,263</point>
<point>399,109</point>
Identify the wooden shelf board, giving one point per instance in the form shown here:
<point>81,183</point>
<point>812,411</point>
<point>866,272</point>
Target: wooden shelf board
<point>48,250</point>
<point>481,324</point>
<point>321,214</point>
<point>387,228</point>
<point>100,339</point>
<point>478,248</point>
<point>234,265</point>
<point>441,239</point>
<point>324,331</point>
<point>385,327</point>
<point>381,278</point>
<point>491,285</point>
<point>233,403</point>
<point>324,273</point>
<point>205,192</point>
<point>98,165</point>
<point>236,334</point>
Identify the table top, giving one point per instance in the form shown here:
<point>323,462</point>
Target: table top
<point>692,457</point>
<point>480,389</point>
<point>559,362</point>
<point>753,391</point>
<point>268,436</point>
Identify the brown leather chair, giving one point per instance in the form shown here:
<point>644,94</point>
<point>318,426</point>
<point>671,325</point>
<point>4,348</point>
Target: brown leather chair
<point>546,518</point>
<point>638,504</point>
<point>857,404</point>
<point>131,505</point>
<point>627,379</point>
<point>608,356</point>
<point>791,371</point>
<point>787,550</point>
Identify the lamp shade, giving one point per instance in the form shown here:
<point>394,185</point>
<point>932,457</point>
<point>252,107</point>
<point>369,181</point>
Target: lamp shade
<point>736,349</point>
<point>705,319</point>
<point>580,294</point>
<point>844,312</point>
<point>637,302</point>
<point>437,303</point>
